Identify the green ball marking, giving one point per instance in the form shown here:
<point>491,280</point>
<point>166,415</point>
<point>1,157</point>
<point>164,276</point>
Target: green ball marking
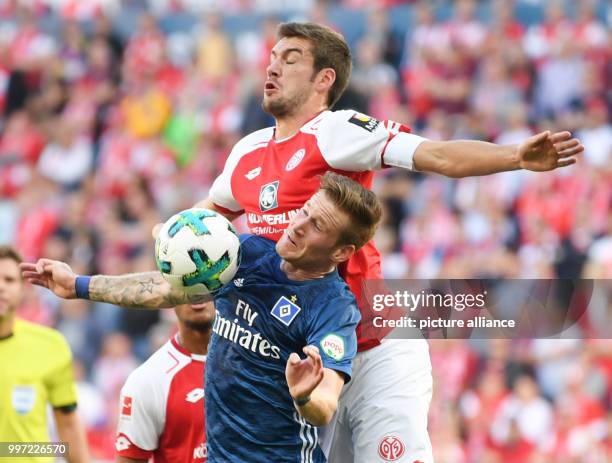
<point>208,272</point>
<point>193,220</point>
<point>162,265</point>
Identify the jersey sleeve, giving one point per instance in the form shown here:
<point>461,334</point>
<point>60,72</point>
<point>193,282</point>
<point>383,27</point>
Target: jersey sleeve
<point>221,190</point>
<point>60,383</point>
<point>354,142</point>
<point>332,330</point>
<point>141,415</point>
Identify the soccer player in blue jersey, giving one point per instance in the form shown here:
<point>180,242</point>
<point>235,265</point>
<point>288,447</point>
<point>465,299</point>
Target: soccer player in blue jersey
<point>262,399</point>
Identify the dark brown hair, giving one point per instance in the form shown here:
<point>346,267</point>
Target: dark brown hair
<point>329,50</point>
<point>360,204</point>
<point>9,252</point>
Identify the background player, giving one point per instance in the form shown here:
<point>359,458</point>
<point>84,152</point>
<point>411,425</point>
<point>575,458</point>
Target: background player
<point>162,401</point>
<point>280,302</point>
<point>270,173</point>
<point>36,366</point>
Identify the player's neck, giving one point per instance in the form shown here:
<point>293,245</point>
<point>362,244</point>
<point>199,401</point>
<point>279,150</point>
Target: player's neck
<point>289,125</point>
<point>194,341</point>
<point>7,324</point>
<point>300,274</point>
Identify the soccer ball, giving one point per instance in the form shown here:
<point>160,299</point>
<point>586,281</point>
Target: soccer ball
<point>197,251</point>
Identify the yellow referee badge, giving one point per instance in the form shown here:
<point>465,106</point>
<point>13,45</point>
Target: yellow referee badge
<point>333,346</point>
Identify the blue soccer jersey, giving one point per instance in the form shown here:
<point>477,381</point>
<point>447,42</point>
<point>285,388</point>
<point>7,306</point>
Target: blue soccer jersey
<point>262,317</point>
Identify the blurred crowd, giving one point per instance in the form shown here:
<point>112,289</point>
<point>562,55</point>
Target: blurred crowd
<point>103,134</point>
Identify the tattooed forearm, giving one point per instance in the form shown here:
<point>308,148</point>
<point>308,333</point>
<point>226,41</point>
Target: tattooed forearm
<point>137,290</point>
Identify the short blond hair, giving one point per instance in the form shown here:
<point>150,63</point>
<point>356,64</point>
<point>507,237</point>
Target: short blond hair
<point>360,204</point>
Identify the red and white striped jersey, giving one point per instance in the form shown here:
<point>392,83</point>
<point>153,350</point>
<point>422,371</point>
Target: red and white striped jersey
<point>270,180</point>
<point>162,408</point>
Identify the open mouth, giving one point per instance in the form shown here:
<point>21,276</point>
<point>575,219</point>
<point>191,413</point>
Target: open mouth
<point>199,306</point>
<point>270,86</point>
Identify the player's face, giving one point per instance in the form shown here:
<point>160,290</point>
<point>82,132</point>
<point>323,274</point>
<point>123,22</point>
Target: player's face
<point>11,287</point>
<point>290,77</point>
<point>198,317</point>
<point>312,236</point>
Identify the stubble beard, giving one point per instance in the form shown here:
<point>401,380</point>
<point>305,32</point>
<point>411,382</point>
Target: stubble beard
<point>285,107</point>
<point>200,327</point>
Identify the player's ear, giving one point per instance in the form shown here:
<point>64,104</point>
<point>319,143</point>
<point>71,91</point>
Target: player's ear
<point>343,253</point>
<point>324,79</point>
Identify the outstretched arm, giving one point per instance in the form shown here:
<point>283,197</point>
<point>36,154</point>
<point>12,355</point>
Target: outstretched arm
<point>463,158</point>
<point>136,290</point>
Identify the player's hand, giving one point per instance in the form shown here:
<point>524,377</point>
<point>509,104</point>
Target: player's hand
<point>303,376</point>
<point>547,151</point>
<point>52,274</point>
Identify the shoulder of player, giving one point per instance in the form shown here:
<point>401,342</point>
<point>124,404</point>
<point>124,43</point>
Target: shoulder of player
<point>254,247</point>
<point>345,136</point>
<point>342,118</point>
<point>151,373</point>
<point>41,335</point>
<point>330,293</point>
<point>251,141</point>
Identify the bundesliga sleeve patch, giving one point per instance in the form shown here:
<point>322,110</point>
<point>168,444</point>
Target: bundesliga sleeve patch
<point>365,122</point>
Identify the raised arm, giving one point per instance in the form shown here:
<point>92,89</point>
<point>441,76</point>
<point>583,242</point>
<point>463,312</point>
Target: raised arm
<point>315,389</point>
<point>136,290</point>
<point>463,158</point>
<point>208,203</point>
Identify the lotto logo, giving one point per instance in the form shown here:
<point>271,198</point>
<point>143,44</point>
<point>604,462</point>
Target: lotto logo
<point>122,443</point>
<point>195,395</point>
<point>391,448</point>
